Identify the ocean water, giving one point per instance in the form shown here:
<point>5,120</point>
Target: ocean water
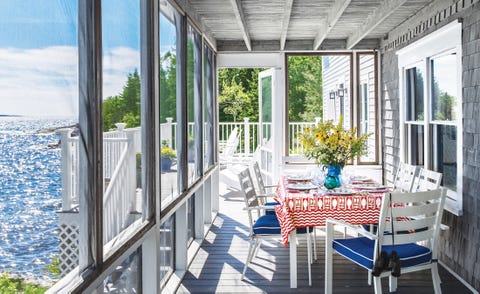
<point>30,194</point>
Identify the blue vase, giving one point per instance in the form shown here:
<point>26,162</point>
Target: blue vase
<point>332,179</point>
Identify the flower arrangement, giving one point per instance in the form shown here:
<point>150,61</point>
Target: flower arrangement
<point>168,152</point>
<point>331,144</point>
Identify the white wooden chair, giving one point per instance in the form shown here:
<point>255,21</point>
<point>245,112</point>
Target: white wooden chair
<point>262,188</point>
<point>226,156</point>
<point>405,177</point>
<point>427,180</point>
<point>410,225</point>
<point>266,226</point>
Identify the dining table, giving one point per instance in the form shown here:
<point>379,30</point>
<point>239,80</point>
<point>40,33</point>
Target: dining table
<point>303,204</point>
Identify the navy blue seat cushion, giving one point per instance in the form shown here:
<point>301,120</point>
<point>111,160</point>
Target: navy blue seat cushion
<point>266,225</point>
<point>360,250</point>
<point>269,225</point>
<point>271,211</point>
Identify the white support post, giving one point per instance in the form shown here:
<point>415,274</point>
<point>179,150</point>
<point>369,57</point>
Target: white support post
<point>214,191</point>
<point>207,201</point>
<point>132,169</point>
<point>168,132</point>
<point>181,249</point>
<point>150,262</point>
<point>199,212</point>
<point>67,192</point>
<point>246,134</point>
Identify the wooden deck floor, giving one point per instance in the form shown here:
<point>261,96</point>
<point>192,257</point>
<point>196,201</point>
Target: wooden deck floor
<point>218,265</point>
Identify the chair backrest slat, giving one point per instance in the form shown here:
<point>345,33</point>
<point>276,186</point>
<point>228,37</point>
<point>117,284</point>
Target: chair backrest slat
<point>411,237</point>
<point>258,175</point>
<point>415,210</point>
<point>427,180</point>
<point>413,224</point>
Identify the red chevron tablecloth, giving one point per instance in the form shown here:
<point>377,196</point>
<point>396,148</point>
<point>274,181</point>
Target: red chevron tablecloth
<point>305,209</point>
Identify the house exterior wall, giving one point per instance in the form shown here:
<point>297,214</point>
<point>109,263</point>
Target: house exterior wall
<point>336,71</point>
<point>459,247</point>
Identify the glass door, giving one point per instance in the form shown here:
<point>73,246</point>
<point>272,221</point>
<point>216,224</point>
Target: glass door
<point>265,98</point>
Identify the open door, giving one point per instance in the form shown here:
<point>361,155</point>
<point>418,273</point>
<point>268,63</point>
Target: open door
<point>266,94</point>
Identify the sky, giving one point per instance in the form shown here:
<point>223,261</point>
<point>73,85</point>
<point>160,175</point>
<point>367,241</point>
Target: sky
<point>39,56</point>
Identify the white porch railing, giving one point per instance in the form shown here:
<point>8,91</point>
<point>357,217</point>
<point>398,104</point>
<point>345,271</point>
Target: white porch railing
<point>120,182</point>
<point>250,132</point>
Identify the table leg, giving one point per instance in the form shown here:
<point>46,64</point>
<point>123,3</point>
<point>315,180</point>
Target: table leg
<point>293,259</point>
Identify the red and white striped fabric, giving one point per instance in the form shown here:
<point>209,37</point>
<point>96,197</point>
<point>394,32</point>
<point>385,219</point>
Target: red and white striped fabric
<point>300,209</point>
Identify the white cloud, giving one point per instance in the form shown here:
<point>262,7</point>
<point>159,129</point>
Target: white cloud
<point>44,81</point>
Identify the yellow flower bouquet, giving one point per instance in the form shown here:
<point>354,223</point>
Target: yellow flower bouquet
<point>332,145</point>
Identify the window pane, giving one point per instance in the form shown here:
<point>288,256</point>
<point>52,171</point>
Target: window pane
<point>126,278</point>
<point>166,249</point>
<point>38,162</point>
<point>168,102</point>
<point>266,108</point>
<point>208,107</point>
<point>194,107</point>
<point>305,101</point>
<point>414,78</point>
<point>191,219</point>
<point>415,144</point>
<point>121,115</point>
<point>366,109</point>
<point>444,153</point>
<point>444,87</point>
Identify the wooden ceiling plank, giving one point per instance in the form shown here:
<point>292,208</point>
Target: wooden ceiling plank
<point>377,17</point>
<point>239,14</point>
<point>334,15</point>
<point>285,23</point>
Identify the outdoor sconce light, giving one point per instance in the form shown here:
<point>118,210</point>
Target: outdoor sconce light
<point>332,95</point>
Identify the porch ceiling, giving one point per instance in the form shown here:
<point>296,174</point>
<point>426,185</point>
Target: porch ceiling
<point>240,25</point>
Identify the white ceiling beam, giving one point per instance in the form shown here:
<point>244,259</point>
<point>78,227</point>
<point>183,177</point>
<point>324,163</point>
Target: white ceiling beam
<point>285,23</point>
<point>333,16</point>
<point>237,9</point>
<point>377,17</point>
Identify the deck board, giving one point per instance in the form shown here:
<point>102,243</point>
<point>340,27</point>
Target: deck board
<point>218,265</point>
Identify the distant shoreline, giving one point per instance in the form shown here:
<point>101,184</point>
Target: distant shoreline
<point>10,115</point>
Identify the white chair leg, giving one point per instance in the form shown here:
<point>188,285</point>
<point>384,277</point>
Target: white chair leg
<point>377,284</point>
<point>436,279</point>
<point>257,247</point>
<point>328,259</point>
<point>315,243</point>
<point>369,278</point>
<point>392,283</point>
<point>251,247</point>
<point>309,258</point>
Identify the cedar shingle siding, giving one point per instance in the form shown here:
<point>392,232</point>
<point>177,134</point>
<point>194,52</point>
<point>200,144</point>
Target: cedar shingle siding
<point>459,246</point>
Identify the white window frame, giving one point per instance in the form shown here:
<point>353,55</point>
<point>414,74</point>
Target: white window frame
<point>446,39</point>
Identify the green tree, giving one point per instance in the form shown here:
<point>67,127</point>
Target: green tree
<point>168,86</point>
<point>247,79</point>
<point>124,107</point>
<point>305,88</point>
<point>233,100</point>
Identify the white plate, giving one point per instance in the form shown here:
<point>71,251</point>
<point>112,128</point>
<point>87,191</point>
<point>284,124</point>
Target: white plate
<point>360,179</point>
<point>299,186</point>
<point>340,192</point>
<point>372,187</point>
<point>299,178</point>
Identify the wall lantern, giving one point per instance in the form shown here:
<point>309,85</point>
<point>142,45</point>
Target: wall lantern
<point>340,92</point>
<point>332,95</point>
